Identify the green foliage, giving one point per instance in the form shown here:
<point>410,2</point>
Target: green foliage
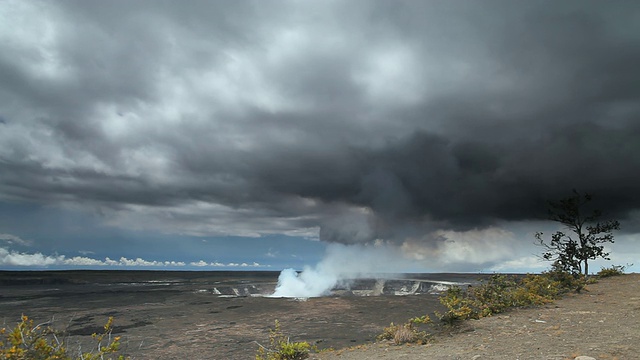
<point>568,281</point>
<point>425,319</point>
<point>572,254</point>
<point>494,296</point>
<point>280,348</point>
<point>40,342</point>
<point>497,294</point>
<point>535,290</point>
<point>615,270</point>
<point>406,333</point>
<point>459,305</point>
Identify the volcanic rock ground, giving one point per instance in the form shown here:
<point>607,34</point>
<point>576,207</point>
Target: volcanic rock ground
<point>175,319</point>
<point>164,315</point>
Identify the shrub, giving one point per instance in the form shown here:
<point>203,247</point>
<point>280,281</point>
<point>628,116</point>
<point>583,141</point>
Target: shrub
<point>567,281</point>
<point>615,270</point>
<point>501,292</point>
<point>35,342</point>
<point>426,319</point>
<point>536,290</point>
<point>280,348</point>
<point>494,296</point>
<point>486,299</point>
<point>404,334</point>
<point>458,304</point>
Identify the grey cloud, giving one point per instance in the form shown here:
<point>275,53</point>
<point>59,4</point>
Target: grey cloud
<point>14,240</point>
<point>366,119</point>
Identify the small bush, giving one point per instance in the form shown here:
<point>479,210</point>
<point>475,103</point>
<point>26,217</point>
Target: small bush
<point>459,305</point>
<point>30,342</point>
<point>404,334</point>
<point>536,290</point>
<point>280,348</point>
<point>486,299</point>
<point>615,270</point>
<point>567,281</point>
<point>501,292</point>
<point>426,319</point>
<point>494,296</point>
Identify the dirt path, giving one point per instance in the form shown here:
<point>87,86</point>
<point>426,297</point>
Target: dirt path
<point>603,322</point>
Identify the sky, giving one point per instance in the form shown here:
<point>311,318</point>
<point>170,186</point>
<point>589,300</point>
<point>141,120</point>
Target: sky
<point>261,135</point>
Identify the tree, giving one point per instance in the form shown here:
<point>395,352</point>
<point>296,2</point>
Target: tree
<point>572,252</point>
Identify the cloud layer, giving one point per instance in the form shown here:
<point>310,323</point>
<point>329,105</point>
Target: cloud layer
<point>352,121</point>
<point>15,259</point>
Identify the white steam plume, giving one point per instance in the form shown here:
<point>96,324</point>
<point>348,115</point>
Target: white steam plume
<point>341,263</point>
<point>441,250</point>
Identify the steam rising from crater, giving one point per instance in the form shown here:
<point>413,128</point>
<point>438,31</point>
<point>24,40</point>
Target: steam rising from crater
<point>342,263</point>
<point>470,251</point>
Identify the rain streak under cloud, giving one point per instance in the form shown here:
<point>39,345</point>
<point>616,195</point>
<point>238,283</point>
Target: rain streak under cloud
<point>434,127</point>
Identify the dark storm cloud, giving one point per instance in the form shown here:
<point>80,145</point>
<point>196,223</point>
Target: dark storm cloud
<point>366,119</point>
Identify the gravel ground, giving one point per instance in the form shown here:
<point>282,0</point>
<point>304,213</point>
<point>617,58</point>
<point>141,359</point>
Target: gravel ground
<point>602,322</point>
<point>179,322</point>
